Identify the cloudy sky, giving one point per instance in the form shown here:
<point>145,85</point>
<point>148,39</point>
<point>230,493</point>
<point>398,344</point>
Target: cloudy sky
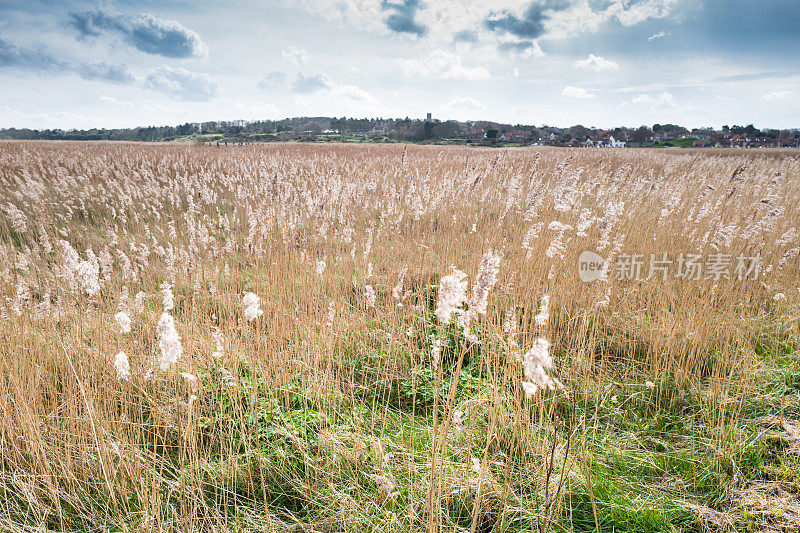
<point>73,63</point>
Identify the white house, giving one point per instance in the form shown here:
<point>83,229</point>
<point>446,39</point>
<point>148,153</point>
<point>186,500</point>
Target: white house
<point>613,143</point>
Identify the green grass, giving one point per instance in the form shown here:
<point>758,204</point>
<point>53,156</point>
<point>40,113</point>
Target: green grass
<point>647,462</point>
<point>647,456</point>
<point>274,455</point>
<point>678,143</point>
<point>301,457</point>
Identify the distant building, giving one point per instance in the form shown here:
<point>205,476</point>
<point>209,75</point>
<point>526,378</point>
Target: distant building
<point>743,141</point>
<point>519,136</point>
<point>604,140</point>
<point>613,143</point>
<point>548,139</point>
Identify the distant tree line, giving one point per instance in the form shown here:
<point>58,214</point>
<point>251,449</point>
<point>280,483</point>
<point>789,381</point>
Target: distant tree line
<point>400,129</point>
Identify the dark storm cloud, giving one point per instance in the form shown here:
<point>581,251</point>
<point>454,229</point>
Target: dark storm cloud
<point>145,32</point>
<point>40,61</point>
<point>183,84</point>
<point>528,26</point>
<point>402,20</point>
<point>311,84</point>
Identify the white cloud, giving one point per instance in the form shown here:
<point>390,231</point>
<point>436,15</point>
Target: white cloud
<point>523,49</point>
<point>312,83</point>
<point>114,101</point>
<point>344,100</point>
<point>447,20</point>
<point>776,95</point>
<point>581,18</point>
<point>597,63</point>
<point>16,118</point>
<point>378,79</point>
<point>630,15</point>
<point>664,99</point>
<point>333,97</point>
<point>576,92</point>
<point>463,103</point>
<point>354,94</point>
<point>367,13</point>
<point>273,80</point>
<point>294,55</point>
<point>578,19</point>
<point>146,33</point>
<point>258,109</point>
<point>182,84</point>
<point>442,65</point>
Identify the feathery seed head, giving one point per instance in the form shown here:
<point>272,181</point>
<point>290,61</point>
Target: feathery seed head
<point>168,341</point>
<point>122,366</point>
<point>452,295</point>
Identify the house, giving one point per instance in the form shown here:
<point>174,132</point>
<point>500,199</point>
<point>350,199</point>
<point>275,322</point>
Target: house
<point>597,138</point>
<point>604,140</point>
<point>766,142</point>
<point>743,141</point>
<point>548,139</point>
<point>661,136</point>
<point>518,136</point>
<point>740,141</point>
<point>613,143</point>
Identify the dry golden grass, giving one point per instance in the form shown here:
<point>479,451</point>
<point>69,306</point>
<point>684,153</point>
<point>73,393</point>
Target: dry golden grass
<point>326,413</point>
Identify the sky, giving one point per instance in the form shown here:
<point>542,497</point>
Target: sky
<point>602,63</point>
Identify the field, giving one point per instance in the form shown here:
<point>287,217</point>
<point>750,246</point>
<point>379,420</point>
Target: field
<point>391,338</point>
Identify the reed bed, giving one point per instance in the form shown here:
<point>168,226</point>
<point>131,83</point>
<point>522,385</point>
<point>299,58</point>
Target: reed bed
<point>296,337</point>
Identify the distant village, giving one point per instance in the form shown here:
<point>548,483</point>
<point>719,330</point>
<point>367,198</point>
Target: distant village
<point>429,130</point>
<point>622,137</point>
